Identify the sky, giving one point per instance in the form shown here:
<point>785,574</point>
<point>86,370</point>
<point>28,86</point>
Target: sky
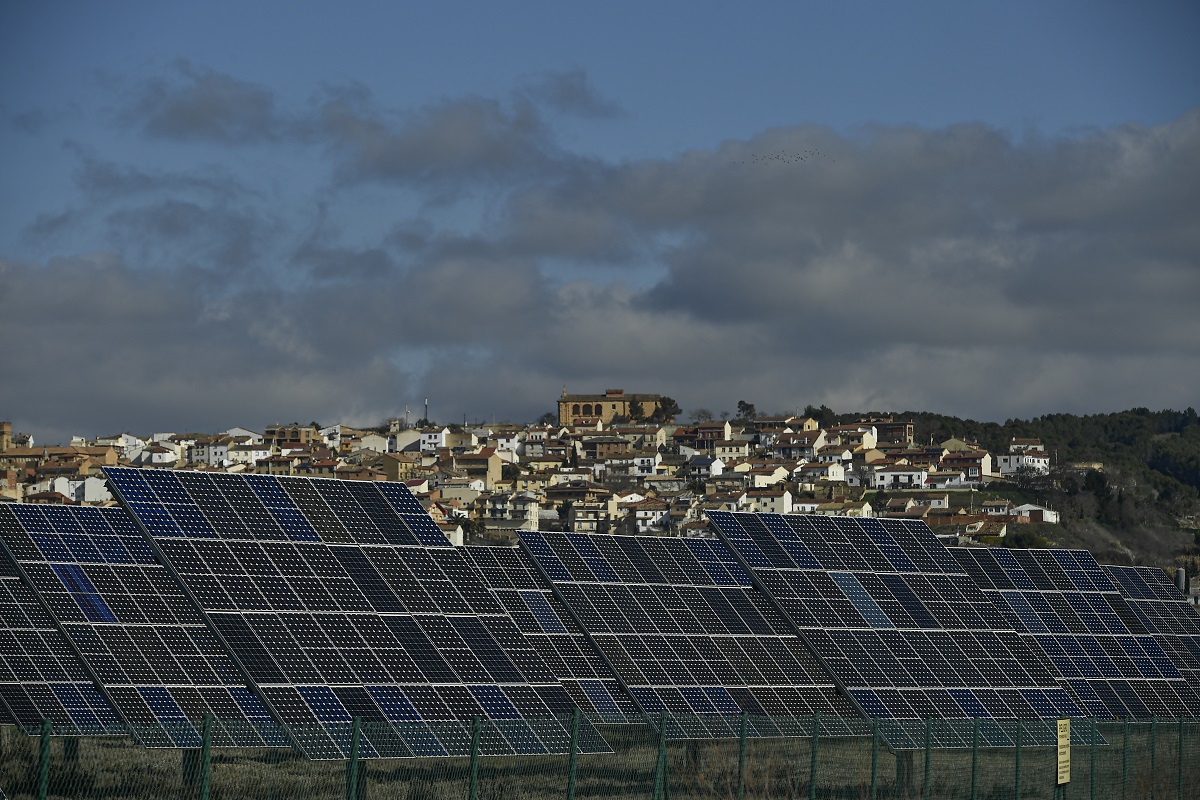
<point>233,214</point>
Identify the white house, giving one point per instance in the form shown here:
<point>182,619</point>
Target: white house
<point>82,490</point>
<point>434,439</point>
<point>212,452</point>
<point>245,434</point>
<point>900,476</point>
<point>126,445</point>
<point>248,452</point>
<point>1035,513</point>
<point>770,501</point>
<point>821,471</point>
<point>1035,461</point>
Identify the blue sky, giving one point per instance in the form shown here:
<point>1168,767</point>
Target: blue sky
<point>277,211</point>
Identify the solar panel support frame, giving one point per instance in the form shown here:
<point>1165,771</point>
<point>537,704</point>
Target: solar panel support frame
<point>86,665</point>
<point>761,587</point>
<point>250,684</point>
<point>537,565</point>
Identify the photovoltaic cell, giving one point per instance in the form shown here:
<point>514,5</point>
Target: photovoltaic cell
<point>40,675</point>
<point>139,637</point>
<point>895,619</point>
<point>684,631</point>
<point>344,599</point>
<point>1066,606</point>
<point>1164,613</point>
<point>549,627</point>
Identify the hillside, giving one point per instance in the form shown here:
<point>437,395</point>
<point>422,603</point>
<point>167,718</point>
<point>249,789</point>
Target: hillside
<point>1126,484</point>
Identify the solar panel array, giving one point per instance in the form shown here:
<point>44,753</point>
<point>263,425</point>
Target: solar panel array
<point>1165,614</point>
<point>285,607</point>
<point>40,675</point>
<point>544,620</point>
<point>896,620</point>
<point>1064,602</point>
<point>343,599</point>
<point>684,631</point>
<point>143,643</point>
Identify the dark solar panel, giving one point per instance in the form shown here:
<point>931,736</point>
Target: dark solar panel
<point>549,627</point>
<point>680,625</point>
<point>1064,604</point>
<point>40,675</point>
<point>1154,604</point>
<point>344,599</point>
<point>140,638</point>
<point>895,619</point>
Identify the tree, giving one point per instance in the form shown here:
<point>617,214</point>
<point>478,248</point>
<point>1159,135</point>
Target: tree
<point>667,410</point>
<point>636,412</point>
<point>564,514</point>
<point>746,411</point>
<point>702,415</point>
<point>549,418</point>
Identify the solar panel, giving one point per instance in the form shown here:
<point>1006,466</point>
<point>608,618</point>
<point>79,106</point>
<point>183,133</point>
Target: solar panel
<point>558,639</point>
<point>681,627</point>
<point>1165,614</point>
<point>142,642</point>
<point>896,620</point>
<point>344,599</point>
<point>1064,604</point>
<point>40,675</point>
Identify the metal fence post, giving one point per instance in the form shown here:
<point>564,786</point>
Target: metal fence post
<point>812,764</point>
<point>573,760</point>
<point>473,787</point>
<point>206,757</point>
<point>975,759</point>
<point>43,785</point>
<point>1179,787</point>
<point>1124,755</point>
<point>927,789</point>
<point>352,767</point>
<point>1017,776</point>
<point>742,760</point>
<point>1153,755</point>
<point>1093,771</point>
<point>660,772</point>
<point>874,758</point>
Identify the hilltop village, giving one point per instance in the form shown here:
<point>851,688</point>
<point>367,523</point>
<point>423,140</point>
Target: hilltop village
<point>613,462</point>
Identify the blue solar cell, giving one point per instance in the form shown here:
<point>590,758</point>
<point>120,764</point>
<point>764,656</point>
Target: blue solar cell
<point>863,603</point>
<point>870,703</point>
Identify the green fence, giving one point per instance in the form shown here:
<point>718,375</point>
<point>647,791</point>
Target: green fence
<point>1157,759</point>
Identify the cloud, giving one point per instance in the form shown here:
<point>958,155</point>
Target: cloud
<point>176,233</point>
<point>198,104</point>
<point>459,250</point>
<point>103,180</point>
<point>570,92</point>
<point>444,148</point>
<point>109,347</point>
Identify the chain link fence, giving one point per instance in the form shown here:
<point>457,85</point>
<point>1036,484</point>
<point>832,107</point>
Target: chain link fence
<point>846,759</point>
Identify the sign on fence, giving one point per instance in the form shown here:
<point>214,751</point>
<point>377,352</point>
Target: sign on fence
<point>1064,751</point>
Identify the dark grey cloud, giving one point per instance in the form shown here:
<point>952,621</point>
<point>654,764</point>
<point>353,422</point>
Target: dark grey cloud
<point>443,148</point>
<point>171,233</point>
<point>570,92</point>
<point>194,103</point>
<point>103,180</point>
<point>344,264</point>
<point>109,347</point>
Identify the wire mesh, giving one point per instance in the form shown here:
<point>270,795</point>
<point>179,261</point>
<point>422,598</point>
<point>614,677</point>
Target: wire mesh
<point>848,760</point>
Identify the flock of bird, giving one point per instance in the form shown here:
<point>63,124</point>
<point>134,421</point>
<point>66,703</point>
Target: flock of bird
<point>782,157</point>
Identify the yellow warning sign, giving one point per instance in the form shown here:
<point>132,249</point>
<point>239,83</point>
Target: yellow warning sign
<point>1064,751</point>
